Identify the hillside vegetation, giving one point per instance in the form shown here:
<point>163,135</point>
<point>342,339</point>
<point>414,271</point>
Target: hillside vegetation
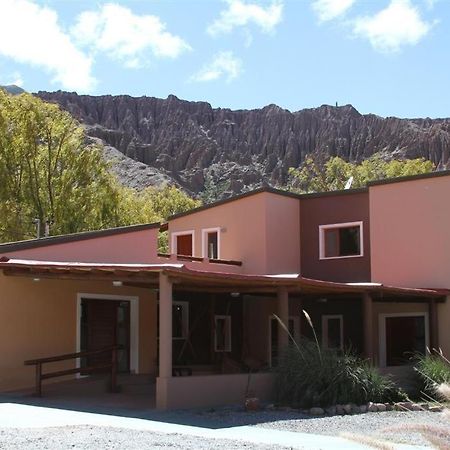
<point>50,172</point>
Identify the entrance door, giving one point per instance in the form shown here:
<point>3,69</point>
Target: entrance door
<point>105,323</point>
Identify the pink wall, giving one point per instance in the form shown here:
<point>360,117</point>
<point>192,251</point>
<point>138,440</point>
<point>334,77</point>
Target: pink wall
<point>131,247</point>
<point>410,233</point>
<point>260,230</point>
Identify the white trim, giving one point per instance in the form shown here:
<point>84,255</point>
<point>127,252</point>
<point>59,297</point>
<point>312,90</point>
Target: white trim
<point>295,319</point>
<point>205,232</point>
<point>173,240</point>
<point>323,228</point>
<point>227,319</point>
<point>325,318</point>
<point>382,331</point>
<point>134,324</point>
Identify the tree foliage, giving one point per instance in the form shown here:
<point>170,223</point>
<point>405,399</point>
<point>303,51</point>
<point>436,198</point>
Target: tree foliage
<point>331,175</point>
<point>48,171</point>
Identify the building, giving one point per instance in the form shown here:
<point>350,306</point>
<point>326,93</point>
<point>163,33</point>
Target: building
<point>370,266</point>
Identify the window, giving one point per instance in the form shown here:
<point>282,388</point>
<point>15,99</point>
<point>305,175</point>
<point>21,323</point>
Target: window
<point>183,243</point>
<point>211,243</point>
<point>222,334</point>
<point>333,331</point>
<point>402,335</point>
<point>343,240</point>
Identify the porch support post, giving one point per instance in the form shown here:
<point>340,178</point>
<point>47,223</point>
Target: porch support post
<point>433,324</point>
<point>368,325</point>
<point>165,342</point>
<point>283,314</point>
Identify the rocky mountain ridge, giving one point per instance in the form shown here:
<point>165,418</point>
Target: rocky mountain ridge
<point>190,143</point>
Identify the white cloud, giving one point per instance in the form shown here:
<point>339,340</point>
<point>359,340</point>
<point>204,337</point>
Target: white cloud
<point>31,34</point>
<point>331,9</point>
<point>125,36</point>
<point>240,14</point>
<point>223,64</point>
<point>399,24</point>
<point>14,78</point>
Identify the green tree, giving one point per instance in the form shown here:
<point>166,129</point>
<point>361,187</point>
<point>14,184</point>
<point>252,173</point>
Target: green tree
<point>49,171</point>
<point>321,176</point>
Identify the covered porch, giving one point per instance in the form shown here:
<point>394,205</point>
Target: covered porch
<point>216,337</point>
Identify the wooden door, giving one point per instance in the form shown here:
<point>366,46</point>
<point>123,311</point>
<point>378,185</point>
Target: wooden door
<point>106,323</point>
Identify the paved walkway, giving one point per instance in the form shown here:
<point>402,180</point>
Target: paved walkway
<point>13,415</point>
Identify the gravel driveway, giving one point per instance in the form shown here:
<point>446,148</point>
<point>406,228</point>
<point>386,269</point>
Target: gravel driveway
<point>89,437</point>
<point>392,425</point>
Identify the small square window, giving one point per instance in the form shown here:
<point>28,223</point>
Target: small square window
<point>340,241</point>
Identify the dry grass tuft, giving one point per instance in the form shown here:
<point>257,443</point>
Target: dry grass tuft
<point>366,440</point>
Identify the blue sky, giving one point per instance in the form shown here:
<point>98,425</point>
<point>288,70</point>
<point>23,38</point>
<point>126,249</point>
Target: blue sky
<point>388,57</point>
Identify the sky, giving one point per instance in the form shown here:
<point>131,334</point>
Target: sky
<point>387,57</point>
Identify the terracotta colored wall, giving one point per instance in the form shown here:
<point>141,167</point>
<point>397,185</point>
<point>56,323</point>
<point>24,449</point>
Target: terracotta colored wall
<point>410,223</point>
<point>132,247</point>
<point>260,230</point>
<point>324,210</point>
<point>38,319</point>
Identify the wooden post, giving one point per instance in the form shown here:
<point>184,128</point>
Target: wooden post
<point>283,314</point>
<point>368,325</point>
<point>433,324</point>
<point>114,370</point>
<point>38,392</point>
<point>165,326</point>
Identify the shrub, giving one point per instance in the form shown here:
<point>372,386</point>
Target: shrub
<point>433,370</point>
<point>309,375</point>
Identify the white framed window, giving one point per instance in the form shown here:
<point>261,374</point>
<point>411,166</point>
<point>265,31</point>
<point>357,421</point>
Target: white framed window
<point>211,243</point>
<point>182,243</point>
<point>341,240</point>
<point>222,333</point>
<point>401,335</point>
<point>333,331</point>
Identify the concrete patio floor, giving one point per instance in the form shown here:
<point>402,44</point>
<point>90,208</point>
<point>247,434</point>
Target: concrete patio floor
<point>90,394</point>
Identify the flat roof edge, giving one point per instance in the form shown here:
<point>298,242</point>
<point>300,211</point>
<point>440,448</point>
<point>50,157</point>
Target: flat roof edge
<point>420,176</point>
<point>74,237</point>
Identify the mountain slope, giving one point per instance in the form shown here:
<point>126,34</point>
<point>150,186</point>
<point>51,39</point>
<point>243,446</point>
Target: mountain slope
<point>187,140</point>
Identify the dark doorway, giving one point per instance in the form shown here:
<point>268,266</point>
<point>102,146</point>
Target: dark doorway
<point>405,336</point>
<point>105,323</point>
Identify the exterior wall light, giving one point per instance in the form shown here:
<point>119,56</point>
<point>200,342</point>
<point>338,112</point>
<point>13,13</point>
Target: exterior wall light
<point>117,283</point>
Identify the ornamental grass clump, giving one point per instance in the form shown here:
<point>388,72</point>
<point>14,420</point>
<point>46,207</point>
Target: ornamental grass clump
<point>309,375</point>
<point>433,370</point>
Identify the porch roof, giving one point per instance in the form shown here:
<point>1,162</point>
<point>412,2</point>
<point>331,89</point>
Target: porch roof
<point>147,275</point>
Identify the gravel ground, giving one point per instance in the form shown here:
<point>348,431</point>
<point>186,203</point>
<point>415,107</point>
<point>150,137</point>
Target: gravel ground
<point>392,425</point>
<point>89,437</point>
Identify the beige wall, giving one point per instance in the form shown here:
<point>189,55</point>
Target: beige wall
<point>38,319</point>
<point>409,232</point>
<point>132,247</point>
<point>260,230</point>
<point>212,390</point>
